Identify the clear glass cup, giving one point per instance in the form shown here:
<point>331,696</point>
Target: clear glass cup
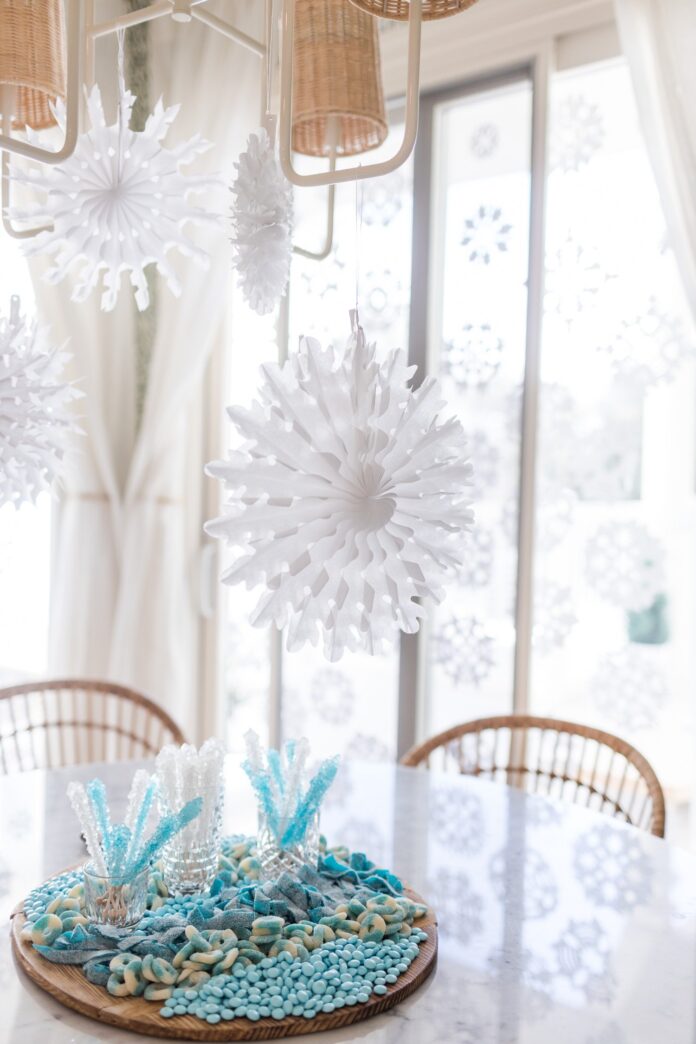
<point>190,860</point>
<point>274,859</point>
<point>113,901</point>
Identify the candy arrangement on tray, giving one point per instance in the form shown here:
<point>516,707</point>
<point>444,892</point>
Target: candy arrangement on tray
<point>285,928</point>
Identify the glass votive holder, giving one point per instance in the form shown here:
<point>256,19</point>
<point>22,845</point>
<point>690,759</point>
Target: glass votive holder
<point>275,859</point>
<point>113,901</point>
<point>190,860</point>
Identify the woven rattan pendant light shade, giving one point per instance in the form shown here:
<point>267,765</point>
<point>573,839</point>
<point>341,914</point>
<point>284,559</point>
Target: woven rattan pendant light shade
<point>337,81</point>
<point>32,58</point>
<point>399,8</point>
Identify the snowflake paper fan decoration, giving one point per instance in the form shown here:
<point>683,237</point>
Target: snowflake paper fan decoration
<point>118,204</point>
<point>262,223</point>
<point>35,418</point>
<point>348,497</point>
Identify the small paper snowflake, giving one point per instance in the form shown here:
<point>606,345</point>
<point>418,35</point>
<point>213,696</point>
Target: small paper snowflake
<point>625,565</point>
<point>473,357</point>
<point>649,349</point>
<point>463,649</point>
<point>628,689</point>
<point>456,818</point>
<point>118,204</point>
<point>367,748</point>
<point>554,616</point>
<point>487,457</point>
<point>574,278</point>
<point>486,234</point>
<point>459,909</point>
<point>262,223</point>
<point>613,868</point>
<point>532,891</point>
<point>332,695</point>
<point>484,140</point>
<point>348,497</point>
<point>577,133</point>
<point>582,953</point>
<point>478,567</point>
<point>35,415</point>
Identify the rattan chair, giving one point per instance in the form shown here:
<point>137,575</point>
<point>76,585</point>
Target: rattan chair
<point>72,721</point>
<point>555,758</point>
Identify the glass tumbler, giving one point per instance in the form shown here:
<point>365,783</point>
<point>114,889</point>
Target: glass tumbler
<point>113,901</point>
<point>275,859</point>
<point>190,859</point>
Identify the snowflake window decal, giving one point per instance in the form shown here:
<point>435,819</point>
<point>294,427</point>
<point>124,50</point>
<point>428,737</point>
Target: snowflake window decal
<point>554,617</point>
<point>625,565</point>
<point>486,234</point>
<point>119,203</point>
<point>574,278</point>
<point>348,499</point>
<point>477,569</point>
<point>577,133</point>
<point>464,650</point>
<point>629,689</point>
<point>332,695</point>
<point>472,358</point>
<point>649,349</point>
<point>382,199</point>
<point>484,141</point>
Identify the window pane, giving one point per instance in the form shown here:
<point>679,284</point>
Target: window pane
<point>615,603</point>
<point>478,304</point>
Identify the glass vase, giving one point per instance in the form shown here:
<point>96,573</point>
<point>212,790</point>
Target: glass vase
<point>114,901</point>
<point>190,860</point>
<point>275,859</point>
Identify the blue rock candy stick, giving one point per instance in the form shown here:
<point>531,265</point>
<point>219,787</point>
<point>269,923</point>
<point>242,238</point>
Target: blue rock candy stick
<point>166,829</point>
<point>119,843</point>
<point>96,792</point>
<point>261,784</point>
<point>276,770</point>
<point>309,805</point>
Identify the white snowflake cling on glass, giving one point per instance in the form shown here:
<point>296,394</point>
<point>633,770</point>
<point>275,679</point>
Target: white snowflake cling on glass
<point>35,416</point>
<point>348,499</point>
<point>262,223</point>
<point>119,203</point>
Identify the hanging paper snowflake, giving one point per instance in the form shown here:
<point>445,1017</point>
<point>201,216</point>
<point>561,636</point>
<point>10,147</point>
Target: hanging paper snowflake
<point>486,234</point>
<point>472,358</point>
<point>577,133</point>
<point>463,649</point>
<point>629,690</point>
<point>118,204</point>
<point>625,565</point>
<point>262,221</point>
<point>613,867</point>
<point>649,349</point>
<point>35,416</point>
<point>332,696</point>
<point>554,616</point>
<point>348,497</point>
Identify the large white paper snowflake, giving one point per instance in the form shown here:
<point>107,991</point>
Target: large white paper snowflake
<point>262,223</point>
<point>625,565</point>
<point>628,689</point>
<point>650,348</point>
<point>35,416</point>
<point>348,498</point>
<point>118,204</point>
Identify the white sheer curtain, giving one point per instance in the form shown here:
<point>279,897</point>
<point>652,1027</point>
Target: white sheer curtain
<point>129,535</point>
<point>658,38</point>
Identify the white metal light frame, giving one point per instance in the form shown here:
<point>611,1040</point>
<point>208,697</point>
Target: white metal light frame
<point>358,172</point>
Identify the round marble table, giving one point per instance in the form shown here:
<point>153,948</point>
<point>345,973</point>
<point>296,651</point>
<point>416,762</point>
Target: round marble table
<point>556,924</point>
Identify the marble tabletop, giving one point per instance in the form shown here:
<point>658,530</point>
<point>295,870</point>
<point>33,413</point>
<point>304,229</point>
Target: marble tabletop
<point>557,925</point>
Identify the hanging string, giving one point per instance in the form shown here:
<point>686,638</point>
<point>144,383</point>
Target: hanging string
<point>359,195</point>
<point>271,25</point>
<point>123,96</point>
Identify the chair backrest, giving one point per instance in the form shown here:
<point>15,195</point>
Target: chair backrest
<point>555,758</point>
<point>71,721</point>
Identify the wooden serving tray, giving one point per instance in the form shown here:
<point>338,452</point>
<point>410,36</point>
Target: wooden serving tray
<point>67,984</point>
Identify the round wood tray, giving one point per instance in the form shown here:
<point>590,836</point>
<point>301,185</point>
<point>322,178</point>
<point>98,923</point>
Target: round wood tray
<point>67,984</point>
